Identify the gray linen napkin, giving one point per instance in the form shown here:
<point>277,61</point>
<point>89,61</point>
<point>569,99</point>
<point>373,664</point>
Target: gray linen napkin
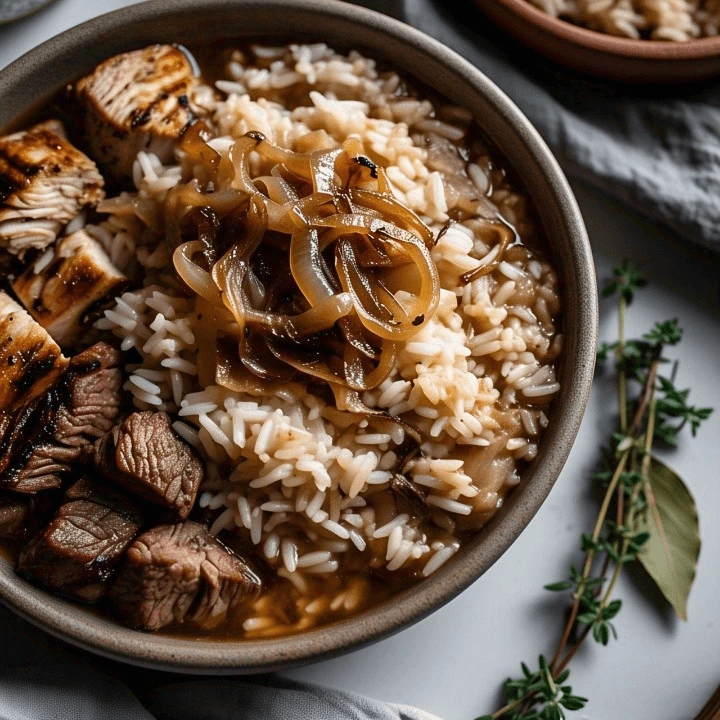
<point>273,698</point>
<point>657,149</point>
<point>44,679</point>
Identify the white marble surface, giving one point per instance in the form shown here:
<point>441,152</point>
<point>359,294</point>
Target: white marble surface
<point>452,663</point>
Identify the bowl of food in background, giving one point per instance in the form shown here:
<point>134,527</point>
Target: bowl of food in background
<point>634,42</point>
<point>297,331</point>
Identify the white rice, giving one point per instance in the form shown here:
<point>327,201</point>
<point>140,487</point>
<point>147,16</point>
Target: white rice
<point>310,492</point>
<point>668,20</point>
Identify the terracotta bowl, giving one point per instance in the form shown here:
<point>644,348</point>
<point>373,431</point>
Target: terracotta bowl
<point>605,56</point>
<point>36,76</point>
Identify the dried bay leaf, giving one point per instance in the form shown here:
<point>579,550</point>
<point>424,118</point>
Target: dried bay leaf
<point>670,554</point>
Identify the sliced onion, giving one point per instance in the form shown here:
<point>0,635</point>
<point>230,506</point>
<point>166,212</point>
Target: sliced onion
<point>292,327</point>
<point>255,289</point>
<point>322,166</point>
<point>356,376</point>
<point>308,267</point>
<point>231,273</point>
<point>348,400</point>
<point>232,373</point>
<point>230,283</point>
<point>394,322</point>
<point>205,335</point>
<point>387,205</point>
<point>312,364</point>
<point>198,151</point>
<point>299,164</point>
<point>277,189</point>
<point>198,280</point>
<point>238,155</point>
<point>256,356</point>
<point>353,332</point>
<point>506,236</point>
<point>345,242</point>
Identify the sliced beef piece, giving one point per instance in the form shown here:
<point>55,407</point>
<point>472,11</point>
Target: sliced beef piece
<point>77,553</point>
<point>21,515</point>
<point>14,510</point>
<point>93,399</point>
<point>79,276</point>
<point>136,101</point>
<point>44,183</point>
<point>145,456</point>
<point>30,360</point>
<point>47,436</point>
<point>180,574</point>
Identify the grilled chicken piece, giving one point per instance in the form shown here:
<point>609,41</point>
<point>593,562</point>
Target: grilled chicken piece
<point>29,459</point>
<point>44,183</point>
<point>180,574</point>
<point>79,276</point>
<point>76,554</point>
<point>146,457</point>
<point>136,101</point>
<point>50,434</point>
<point>30,360</point>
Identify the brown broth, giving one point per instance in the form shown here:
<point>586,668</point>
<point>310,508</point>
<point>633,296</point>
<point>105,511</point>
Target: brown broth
<point>373,586</point>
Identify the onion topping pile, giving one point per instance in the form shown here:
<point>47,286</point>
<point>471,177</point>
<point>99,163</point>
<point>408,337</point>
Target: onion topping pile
<point>312,270</point>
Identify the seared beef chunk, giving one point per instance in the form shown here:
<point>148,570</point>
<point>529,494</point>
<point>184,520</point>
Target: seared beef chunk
<point>93,401</point>
<point>44,183</point>
<point>77,552</point>
<point>180,574</point>
<point>30,360</point>
<point>23,515</point>
<point>145,456</point>
<point>136,101</point>
<point>50,434</point>
<point>13,513</point>
<point>79,276</point>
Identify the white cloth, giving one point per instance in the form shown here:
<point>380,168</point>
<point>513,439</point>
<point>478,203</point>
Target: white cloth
<point>44,679</point>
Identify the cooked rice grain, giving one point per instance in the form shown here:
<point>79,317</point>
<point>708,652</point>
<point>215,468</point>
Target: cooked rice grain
<point>668,20</point>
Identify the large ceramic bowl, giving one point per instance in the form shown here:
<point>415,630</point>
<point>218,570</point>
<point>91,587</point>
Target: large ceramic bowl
<point>37,75</point>
<point>605,56</point>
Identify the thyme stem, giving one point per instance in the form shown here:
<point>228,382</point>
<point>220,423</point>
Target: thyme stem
<point>646,394</point>
<point>629,520</point>
<point>589,557</point>
<point>622,402</point>
<point>506,708</point>
<point>573,649</point>
<point>622,373</point>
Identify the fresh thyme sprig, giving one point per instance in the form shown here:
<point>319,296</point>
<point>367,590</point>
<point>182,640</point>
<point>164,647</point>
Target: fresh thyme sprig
<point>629,525</point>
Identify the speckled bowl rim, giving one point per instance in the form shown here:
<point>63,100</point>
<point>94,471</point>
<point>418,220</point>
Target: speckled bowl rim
<point>697,49</point>
<point>32,78</point>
